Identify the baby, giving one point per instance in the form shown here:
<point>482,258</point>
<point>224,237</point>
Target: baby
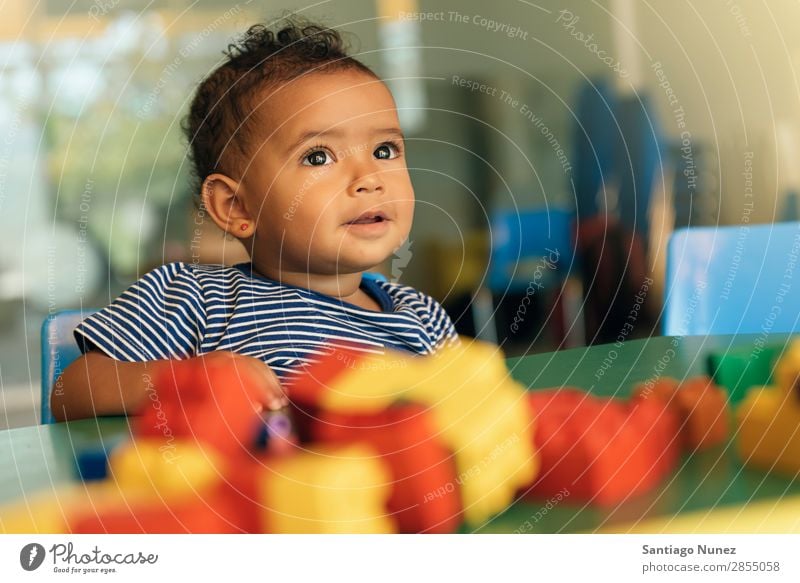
<point>297,152</point>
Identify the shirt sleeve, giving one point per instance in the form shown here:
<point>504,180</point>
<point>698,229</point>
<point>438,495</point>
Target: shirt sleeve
<point>161,316</point>
<point>441,327</point>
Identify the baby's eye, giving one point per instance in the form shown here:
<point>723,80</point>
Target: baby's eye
<point>386,151</point>
<point>317,158</point>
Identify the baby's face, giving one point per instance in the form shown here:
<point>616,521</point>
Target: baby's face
<point>329,185</point>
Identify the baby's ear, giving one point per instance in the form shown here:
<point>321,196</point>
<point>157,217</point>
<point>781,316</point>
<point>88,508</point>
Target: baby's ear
<point>223,201</point>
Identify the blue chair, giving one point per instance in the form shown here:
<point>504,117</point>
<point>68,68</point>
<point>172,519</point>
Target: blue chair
<point>59,349</point>
<point>527,247</point>
<point>733,280</point>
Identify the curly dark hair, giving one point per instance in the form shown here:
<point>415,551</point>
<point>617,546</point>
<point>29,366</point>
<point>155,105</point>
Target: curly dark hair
<point>218,125</point>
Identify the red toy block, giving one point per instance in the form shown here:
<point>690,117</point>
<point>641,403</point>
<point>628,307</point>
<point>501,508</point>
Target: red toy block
<point>425,491</point>
<point>699,405</point>
<point>599,450</point>
<point>213,403</point>
<point>240,494</point>
<point>658,426</point>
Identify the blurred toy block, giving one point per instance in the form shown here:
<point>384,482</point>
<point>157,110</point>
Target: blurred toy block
<point>145,466</point>
<point>92,464</point>
<point>369,387</point>
<point>202,512</point>
<point>327,490</point>
<point>700,407</point>
<point>480,413</point>
<point>375,381</point>
<point>425,493</point>
<point>600,450</point>
<point>738,369</point>
<point>214,404</point>
<point>389,442</point>
<point>769,430</point>
<point>45,512</point>
<point>492,439</point>
<point>787,370</point>
<point>483,417</point>
<point>769,419</point>
<point>171,490</point>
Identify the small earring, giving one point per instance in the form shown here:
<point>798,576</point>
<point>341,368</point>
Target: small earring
<point>244,226</point>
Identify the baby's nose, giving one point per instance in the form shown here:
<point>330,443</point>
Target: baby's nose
<point>368,183</point>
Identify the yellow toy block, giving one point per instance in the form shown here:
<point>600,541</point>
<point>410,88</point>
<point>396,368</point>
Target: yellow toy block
<point>373,382</point>
<point>787,370</point>
<point>327,490</point>
<point>769,419</point>
<point>493,445</point>
<point>42,513</point>
<point>769,430</point>
<point>142,465</point>
<point>471,366</point>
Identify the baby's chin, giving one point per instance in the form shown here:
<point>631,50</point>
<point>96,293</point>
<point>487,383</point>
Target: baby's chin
<point>360,266</point>
<point>344,265</point>
<point>365,257</point>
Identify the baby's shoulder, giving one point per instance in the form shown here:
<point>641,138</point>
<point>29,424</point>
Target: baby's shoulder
<point>405,295</point>
<point>195,275</point>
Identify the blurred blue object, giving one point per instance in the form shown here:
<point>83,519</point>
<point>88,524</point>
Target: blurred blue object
<point>617,141</point>
<point>640,153</point>
<point>733,280</point>
<point>529,243</point>
<point>532,252</point>
<point>59,349</point>
<point>595,136</point>
<point>92,464</point>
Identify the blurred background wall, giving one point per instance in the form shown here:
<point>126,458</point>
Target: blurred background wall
<point>499,102</point>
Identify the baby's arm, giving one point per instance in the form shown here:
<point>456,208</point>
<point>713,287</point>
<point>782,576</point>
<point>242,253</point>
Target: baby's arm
<point>96,384</point>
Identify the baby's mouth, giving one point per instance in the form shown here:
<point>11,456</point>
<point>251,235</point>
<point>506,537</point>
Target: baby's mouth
<point>369,218</point>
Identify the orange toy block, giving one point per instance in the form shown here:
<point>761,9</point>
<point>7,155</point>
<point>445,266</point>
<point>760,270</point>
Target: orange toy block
<point>600,450</point>
<point>425,492</point>
<point>699,405</point>
<point>213,404</point>
<point>199,513</point>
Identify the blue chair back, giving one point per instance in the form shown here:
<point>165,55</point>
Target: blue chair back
<point>59,349</point>
<point>733,280</point>
<point>528,245</point>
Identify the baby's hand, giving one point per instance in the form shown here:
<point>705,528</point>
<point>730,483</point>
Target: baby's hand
<point>269,387</point>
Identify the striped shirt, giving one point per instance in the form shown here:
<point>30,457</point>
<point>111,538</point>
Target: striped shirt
<point>180,310</point>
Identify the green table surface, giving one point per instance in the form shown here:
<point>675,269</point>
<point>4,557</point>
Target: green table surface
<point>41,458</point>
